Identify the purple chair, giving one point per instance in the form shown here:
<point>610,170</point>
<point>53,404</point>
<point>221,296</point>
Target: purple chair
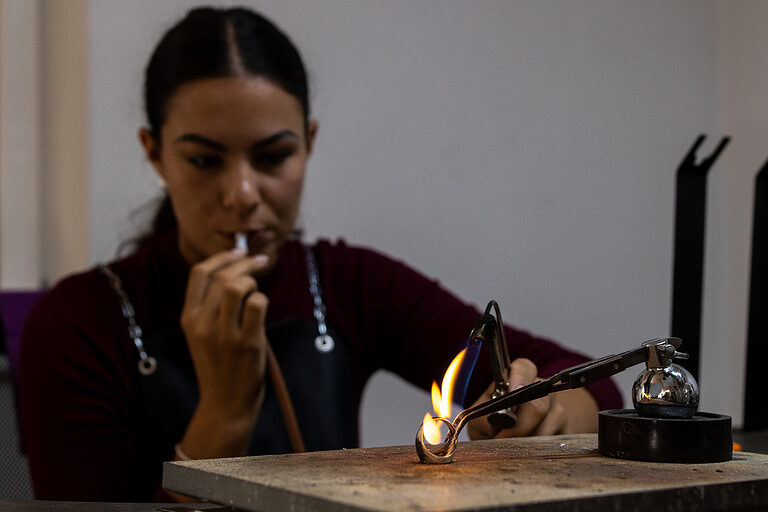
<point>14,308</point>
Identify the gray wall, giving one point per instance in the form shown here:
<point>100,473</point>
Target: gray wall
<point>522,151</point>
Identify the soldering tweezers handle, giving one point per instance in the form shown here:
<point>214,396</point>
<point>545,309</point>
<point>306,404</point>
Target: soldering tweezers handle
<point>598,369</point>
<point>519,396</point>
<point>574,377</point>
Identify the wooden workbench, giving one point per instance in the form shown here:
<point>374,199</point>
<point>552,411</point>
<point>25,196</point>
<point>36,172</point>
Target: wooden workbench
<point>554,473</point>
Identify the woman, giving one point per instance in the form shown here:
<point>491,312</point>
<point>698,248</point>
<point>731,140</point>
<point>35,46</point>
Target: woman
<point>163,354</point>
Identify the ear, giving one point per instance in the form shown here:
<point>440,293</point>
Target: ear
<point>151,150</point>
<point>311,134</point>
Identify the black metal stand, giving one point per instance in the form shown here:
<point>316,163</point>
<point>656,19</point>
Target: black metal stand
<point>755,408</point>
<point>688,268</point>
<point>705,437</point>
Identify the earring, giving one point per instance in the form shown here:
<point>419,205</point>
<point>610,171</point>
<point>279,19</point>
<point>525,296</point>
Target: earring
<point>162,184</point>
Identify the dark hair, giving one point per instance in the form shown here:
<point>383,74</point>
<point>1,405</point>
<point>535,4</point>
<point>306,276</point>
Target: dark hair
<point>212,43</point>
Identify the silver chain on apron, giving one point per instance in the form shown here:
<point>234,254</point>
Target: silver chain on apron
<point>147,364</point>
<point>323,342</point>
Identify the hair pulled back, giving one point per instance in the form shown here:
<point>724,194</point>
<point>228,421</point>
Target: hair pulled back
<point>214,43</point>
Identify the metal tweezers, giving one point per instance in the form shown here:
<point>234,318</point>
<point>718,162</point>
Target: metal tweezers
<point>570,378</point>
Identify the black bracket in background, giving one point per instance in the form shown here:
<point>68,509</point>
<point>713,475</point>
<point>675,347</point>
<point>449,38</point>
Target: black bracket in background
<point>755,409</point>
<point>688,270</point>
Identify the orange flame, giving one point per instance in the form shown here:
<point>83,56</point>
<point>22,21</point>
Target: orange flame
<point>441,401</point>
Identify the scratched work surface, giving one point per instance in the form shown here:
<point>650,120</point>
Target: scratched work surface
<point>555,473</point>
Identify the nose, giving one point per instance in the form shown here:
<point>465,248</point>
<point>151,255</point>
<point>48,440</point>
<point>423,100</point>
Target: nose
<point>241,189</point>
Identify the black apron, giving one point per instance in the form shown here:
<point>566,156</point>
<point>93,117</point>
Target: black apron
<point>322,386</point>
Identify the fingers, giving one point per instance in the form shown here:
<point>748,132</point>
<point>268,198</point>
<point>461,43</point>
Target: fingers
<point>254,316</point>
<point>554,422</point>
<point>210,279</point>
<point>200,274</point>
<point>223,280</point>
<point>479,428</point>
<point>231,295</point>
<point>543,416</point>
<point>530,416</point>
<point>521,373</point>
<point>217,290</point>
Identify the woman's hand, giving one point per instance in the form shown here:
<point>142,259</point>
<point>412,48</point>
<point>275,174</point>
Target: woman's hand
<point>564,412</point>
<point>223,320</point>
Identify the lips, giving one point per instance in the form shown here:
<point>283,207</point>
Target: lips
<point>255,236</point>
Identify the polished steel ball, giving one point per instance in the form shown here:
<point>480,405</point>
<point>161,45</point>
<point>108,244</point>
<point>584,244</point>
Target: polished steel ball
<point>665,392</point>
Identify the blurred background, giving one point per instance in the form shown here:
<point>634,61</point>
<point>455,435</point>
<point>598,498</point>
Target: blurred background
<point>518,150</point>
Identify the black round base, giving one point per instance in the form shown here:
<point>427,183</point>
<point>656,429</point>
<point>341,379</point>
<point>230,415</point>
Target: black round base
<point>705,437</point>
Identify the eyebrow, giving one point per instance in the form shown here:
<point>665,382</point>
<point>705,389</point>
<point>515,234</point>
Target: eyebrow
<point>199,139</point>
<point>196,138</point>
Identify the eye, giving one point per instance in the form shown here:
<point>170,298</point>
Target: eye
<point>270,159</point>
<point>204,162</point>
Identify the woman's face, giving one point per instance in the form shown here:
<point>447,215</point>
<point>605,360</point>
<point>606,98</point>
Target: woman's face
<point>233,154</point>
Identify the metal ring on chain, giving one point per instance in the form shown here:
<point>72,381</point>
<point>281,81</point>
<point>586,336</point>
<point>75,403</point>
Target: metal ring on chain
<point>147,366</point>
<point>324,343</point>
